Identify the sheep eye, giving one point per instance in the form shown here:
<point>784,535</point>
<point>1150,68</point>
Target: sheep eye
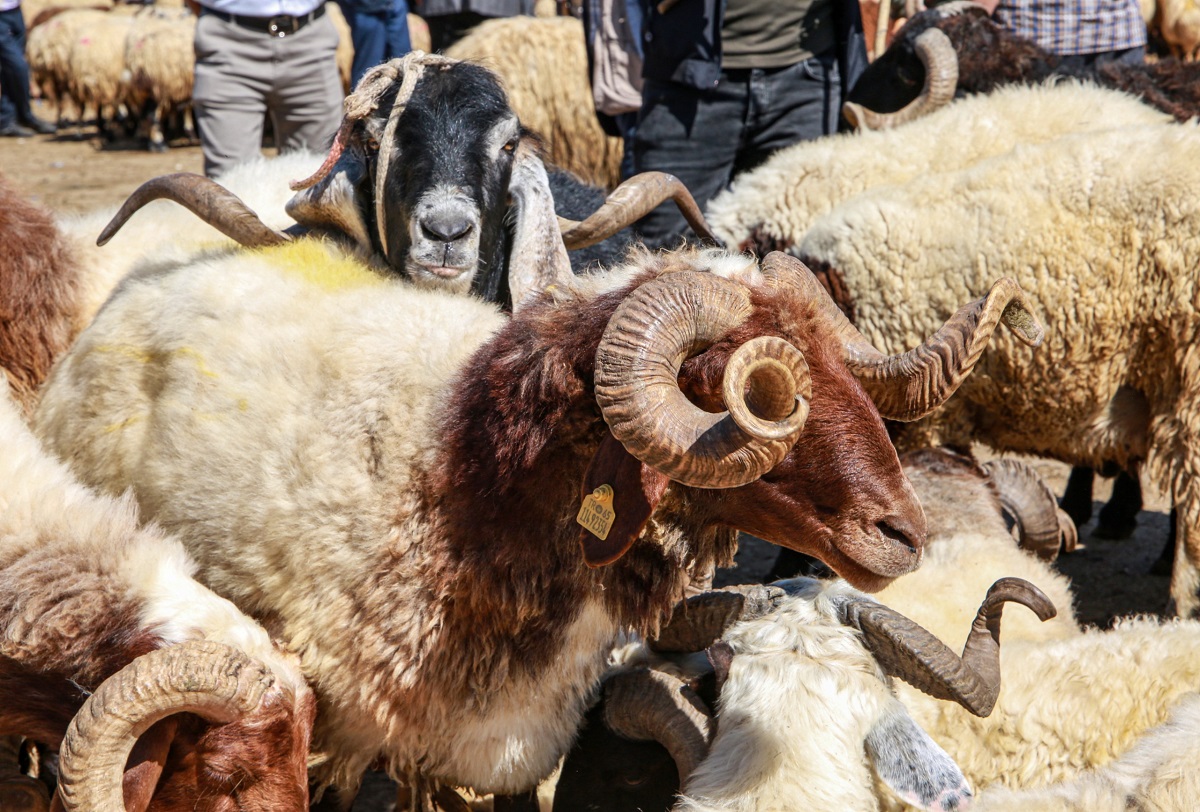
<point>373,144</point>
<point>511,145</point>
<point>633,780</point>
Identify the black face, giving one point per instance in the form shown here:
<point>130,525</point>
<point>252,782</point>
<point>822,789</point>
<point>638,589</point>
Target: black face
<point>897,76</point>
<point>447,180</point>
<point>607,773</point>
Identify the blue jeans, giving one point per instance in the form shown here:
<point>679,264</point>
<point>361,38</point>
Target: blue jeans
<point>706,137</point>
<point>377,36</point>
<point>14,70</point>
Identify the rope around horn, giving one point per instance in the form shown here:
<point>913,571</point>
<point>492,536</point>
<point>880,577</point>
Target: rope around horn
<point>365,100</point>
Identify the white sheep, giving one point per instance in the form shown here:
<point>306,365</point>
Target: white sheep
<point>347,456</point>
<point>85,590</point>
<point>773,206</point>
<point>1102,228</point>
<point>161,60</point>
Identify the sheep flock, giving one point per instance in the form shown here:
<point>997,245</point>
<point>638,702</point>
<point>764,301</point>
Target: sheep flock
<point>289,512</point>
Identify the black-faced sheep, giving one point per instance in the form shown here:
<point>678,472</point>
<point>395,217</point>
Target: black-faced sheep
<point>433,177</point>
<point>85,592</point>
<point>986,56</point>
<point>345,456</point>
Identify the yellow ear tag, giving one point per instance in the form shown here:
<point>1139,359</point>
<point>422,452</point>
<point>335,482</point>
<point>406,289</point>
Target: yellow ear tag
<point>596,514</point>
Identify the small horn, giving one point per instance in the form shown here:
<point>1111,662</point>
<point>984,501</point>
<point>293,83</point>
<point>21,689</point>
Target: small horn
<point>212,680</point>
<point>941,80</point>
<point>628,203</point>
<point>907,650</point>
<point>910,385</point>
<point>656,328</point>
<point>648,705</point>
<point>208,200</point>
<point>1033,506</point>
<point>701,620</point>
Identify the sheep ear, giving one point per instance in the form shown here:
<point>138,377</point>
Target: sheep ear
<point>913,765</point>
<point>539,257</point>
<point>331,204</point>
<point>618,496</point>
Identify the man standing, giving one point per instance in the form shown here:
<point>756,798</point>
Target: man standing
<point>1082,32</point>
<point>379,31</point>
<point>16,116</point>
<point>728,82</point>
<point>259,57</point>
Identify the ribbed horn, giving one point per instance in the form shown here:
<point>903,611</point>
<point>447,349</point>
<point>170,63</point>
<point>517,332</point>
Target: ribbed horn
<point>208,200</point>
<point>701,620</point>
<point>907,650</point>
<point>910,385</point>
<point>212,680</point>
<point>941,80</point>
<point>628,203</point>
<point>652,332</point>
<point>648,705</point>
<point>1032,505</point>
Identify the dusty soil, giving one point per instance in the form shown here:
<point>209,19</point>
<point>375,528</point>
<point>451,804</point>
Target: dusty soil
<point>75,172</point>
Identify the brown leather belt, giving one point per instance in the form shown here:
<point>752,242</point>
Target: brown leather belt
<point>281,25</point>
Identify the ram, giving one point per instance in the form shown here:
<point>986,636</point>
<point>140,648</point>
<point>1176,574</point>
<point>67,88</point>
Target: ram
<point>93,604</point>
<point>959,39</point>
<point>432,177</point>
<point>406,466</point>
<point>1074,720</point>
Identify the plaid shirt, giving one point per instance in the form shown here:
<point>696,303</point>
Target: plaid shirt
<point>1069,27</point>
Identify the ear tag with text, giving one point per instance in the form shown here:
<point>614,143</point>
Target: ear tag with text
<point>596,514</point>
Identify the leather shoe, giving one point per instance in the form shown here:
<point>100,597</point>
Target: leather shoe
<point>40,125</point>
<point>15,131</point>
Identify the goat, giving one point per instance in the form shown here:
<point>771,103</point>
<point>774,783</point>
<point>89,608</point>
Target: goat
<point>406,466</point>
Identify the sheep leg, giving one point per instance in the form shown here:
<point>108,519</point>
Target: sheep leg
<point>19,792</point>
<point>1118,518</point>
<point>1077,498</point>
<point>527,802</point>
<point>157,142</point>
<point>1185,574</point>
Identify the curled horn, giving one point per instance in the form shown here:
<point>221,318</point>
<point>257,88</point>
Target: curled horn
<point>212,680</point>
<point>208,200</point>
<point>941,80</point>
<point>648,705</point>
<point>702,619</point>
<point>1034,507</point>
<point>652,332</point>
<point>631,201</point>
<point>906,650</point>
<point>910,385</point>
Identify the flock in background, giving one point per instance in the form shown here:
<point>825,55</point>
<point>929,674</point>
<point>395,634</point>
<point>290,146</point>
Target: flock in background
<point>409,475</point>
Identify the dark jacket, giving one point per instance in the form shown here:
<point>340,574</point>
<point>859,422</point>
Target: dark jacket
<point>684,44</point>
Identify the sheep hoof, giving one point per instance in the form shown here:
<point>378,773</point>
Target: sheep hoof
<point>24,794</point>
<point>158,146</point>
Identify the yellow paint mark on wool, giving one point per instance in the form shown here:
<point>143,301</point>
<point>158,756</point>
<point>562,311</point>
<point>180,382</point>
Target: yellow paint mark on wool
<point>316,263</point>
<point>145,357</point>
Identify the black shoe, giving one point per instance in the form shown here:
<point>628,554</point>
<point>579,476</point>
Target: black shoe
<point>41,126</point>
<point>15,131</point>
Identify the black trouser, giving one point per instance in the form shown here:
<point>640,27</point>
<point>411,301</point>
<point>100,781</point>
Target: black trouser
<point>14,70</point>
<point>705,137</point>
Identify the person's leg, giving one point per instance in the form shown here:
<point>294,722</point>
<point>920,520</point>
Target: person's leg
<point>306,101</point>
<point>789,105</point>
<point>692,134</point>
<point>14,70</point>
<point>399,42</point>
<point>229,96</point>
<point>368,34</point>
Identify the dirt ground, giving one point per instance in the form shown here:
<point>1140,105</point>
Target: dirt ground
<point>74,172</point>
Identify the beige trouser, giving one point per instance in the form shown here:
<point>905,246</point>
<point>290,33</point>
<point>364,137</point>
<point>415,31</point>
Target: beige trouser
<point>242,75</point>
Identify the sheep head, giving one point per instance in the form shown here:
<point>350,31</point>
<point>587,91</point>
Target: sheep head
<point>765,403</point>
<point>432,175</point>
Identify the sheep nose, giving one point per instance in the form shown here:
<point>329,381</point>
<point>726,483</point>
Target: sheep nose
<point>446,226</point>
<point>899,528</point>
